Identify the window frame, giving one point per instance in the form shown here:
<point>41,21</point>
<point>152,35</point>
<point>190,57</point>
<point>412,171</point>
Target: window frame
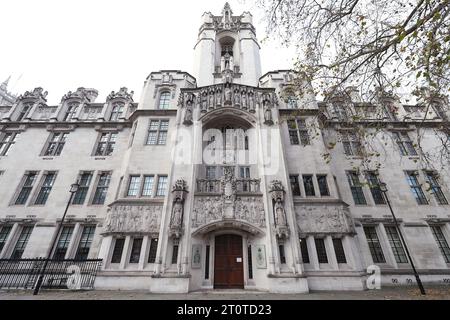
<point>58,144</point>
<point>158,140</point>
<point>298,134</point>
<point>432,178</point>
<point>95,198</point>
<point>373,181</point>
<point>6,145</point>
<point>45,188</point>
<point>309,187</point>
<point>374,244</point>
<point>164,99</point>
<point>351,143</point>
<point>441,241</point>
<point>295,185</point>
<point>23,241</point>
<point>65,242</point>
<point>356,188</point>
<point>23,184</point>
<point>109,144</point>
<point>85,243</point>
<point>83,188</point>
<point>416,187</point>
<point>325,179</point>
<point>405,144</point>
<point>396,244</point>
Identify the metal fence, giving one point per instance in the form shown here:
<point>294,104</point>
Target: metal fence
<point>59,274</point>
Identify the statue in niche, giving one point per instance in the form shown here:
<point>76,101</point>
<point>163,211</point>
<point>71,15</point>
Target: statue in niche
<point>279,213</point>
<point>251,101</point>
<point>268,115</point>
<point>244,99</point>
<point>188,114</point>
<point>222,63</point>
<point>228,93</point>
<point>211,99</point>
<point>177,212</point>
<point>218,96</point>
<point>227,61</point>
<point>204,101</point>
<point>231,63</point>
<point>237,97</point>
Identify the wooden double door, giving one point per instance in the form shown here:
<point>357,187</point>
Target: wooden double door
<point>228,262</point>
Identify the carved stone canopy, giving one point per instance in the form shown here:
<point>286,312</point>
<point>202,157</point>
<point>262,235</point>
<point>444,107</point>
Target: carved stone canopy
<point>122,94</point>
<point>81,94</point>
<point>37,94</point>
<point>276,190</point>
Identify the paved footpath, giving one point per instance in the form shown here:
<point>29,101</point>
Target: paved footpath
<point>387,293</point>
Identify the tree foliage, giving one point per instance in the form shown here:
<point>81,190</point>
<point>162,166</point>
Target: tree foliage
<point>369,44</point>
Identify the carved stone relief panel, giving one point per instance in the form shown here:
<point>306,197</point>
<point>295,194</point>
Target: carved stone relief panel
<point>324,219</point>
<point>133,218</point>
<point>209,209</point>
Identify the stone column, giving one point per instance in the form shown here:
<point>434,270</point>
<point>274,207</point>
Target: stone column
<point>72,249</point>
<point>313,258</point>
<point>331,253</point>
<point>126,250</point>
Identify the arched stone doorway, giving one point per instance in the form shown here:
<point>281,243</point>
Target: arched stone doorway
<point>228,262</point>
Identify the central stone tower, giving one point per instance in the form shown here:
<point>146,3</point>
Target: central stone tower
<point>227,50</point>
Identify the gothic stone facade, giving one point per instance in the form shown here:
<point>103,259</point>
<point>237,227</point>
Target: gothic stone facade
<point>270,213</point>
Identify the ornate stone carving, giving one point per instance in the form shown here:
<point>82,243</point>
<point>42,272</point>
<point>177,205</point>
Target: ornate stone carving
<point>133,219</point>
<point>37,94</point>
<point>122,94</point>
<point>324,219</point>
<point>179,192</point>
<point>82,95</point>
<point>210,209</point>
<point>277,192</point>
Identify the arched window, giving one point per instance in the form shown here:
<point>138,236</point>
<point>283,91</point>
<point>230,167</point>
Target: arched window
<point>117,111</point>
<point>164,100</point>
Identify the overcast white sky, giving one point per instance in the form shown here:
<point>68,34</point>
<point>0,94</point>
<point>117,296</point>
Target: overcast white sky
<point>61,45</point>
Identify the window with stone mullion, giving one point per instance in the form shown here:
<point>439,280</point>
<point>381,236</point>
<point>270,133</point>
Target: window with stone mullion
<point>416,188</point>
<point>356,188</point>
<point>373,242</point>
<point>374,184</point>
<point>63,243</point>
<point>396,244</point>
<point>433,181</point>
<point>442,242</point>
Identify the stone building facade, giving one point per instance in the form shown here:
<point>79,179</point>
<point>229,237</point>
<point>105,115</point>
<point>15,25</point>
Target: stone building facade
<point>223,180</point>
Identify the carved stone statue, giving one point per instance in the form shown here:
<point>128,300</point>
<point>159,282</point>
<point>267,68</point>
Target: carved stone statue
<point>188,115</point>
<point>231,64</point>
<point>268,115</point>
<point>211,99</point>
<point>244,99</point>
<point>251,102</point>
<point>228,93</point>
<point>280,216</point>
<point>222,63</point>
<point>237,97</point>
<point>177,213</point>
<point>204,101</point>
<point>218,96</point>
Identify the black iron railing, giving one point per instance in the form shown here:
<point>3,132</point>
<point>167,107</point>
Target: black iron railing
<point>59,274</point>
